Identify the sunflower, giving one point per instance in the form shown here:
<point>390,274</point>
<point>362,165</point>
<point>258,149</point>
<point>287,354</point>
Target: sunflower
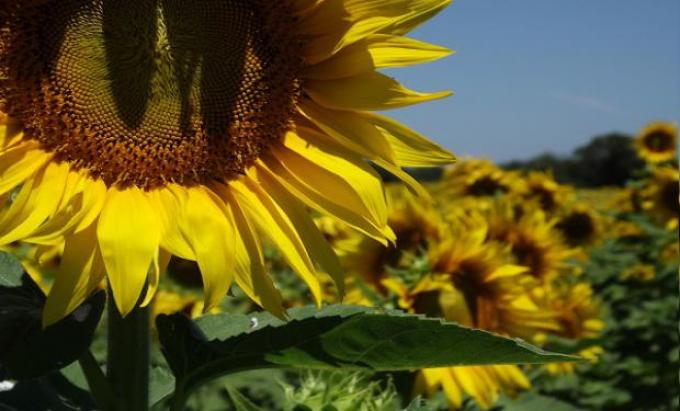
<point>416,225</point>
<point>638,272</point>
<point>580,317</point>
<point>532,237</point>
<point>658,142</point>
<point>580,225</point>
<point>483,383</point>
<point>136,130</point>
<point>550,195</point>
<point>479,178</point>
<point>661,196</point>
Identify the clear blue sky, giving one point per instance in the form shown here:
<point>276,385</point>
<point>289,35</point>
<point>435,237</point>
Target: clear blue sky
<point>531,76</point>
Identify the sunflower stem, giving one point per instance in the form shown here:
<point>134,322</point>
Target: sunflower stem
<point>128,357</point>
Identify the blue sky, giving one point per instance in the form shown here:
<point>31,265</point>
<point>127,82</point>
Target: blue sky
<point>531,76</point>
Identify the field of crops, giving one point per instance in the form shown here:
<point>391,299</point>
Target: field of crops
<point>214,205</point>
<point>589,272</point>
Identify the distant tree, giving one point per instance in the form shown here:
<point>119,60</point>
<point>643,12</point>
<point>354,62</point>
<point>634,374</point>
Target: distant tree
<point>607,160</point>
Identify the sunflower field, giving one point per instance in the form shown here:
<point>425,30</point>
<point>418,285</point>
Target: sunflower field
<point>204,208</point>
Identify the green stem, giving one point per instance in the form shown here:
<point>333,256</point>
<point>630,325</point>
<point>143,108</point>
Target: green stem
<point>128,357</point>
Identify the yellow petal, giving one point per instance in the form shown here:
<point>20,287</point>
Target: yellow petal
<point>80,273</point>
<point>350,130</point>
<point>311,196</point>
<point>210,234</point>
<point>415,19</point>
<point>168,202</point>
<point>160,264</point>
<point>315,243</point>
<point>366,92</point>
<point>35,203</point>
<point>274,223</point>
<point>336,24</point>
<point>129,234</point>
<point>375,52</point>
<point>77,211</point>
<point>410,148</point>
<point>10,134</point>
<point>18,163</point>
<point>251,274</point>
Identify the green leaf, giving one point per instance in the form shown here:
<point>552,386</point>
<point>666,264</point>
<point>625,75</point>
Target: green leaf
<point>10,270</point>
<point>240,401</point>
<point>336,337</point>
<point>54,392</point>
<point>161,384</point>
<point>29,351</point>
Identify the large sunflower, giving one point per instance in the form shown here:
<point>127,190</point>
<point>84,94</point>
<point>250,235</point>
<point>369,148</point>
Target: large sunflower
<point>138,129</point>
<point>658,142</point>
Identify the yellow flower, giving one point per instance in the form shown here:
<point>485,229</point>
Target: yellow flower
<point>550,195</point>
<point>661,196</point>
<point>639,272</point>
<point>579,315</point>
<point>580,225</point>
<point>483,383</point>
<point>416,225</point>
<point>479,178</point>
<point>136,130</point>
<point>658,142</point>
<point>533,238</point>
<point>439,296</point>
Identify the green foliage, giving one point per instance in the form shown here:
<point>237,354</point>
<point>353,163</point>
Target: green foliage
<point>337,337</point>
<point>26,349</point>
<point>639,370</point>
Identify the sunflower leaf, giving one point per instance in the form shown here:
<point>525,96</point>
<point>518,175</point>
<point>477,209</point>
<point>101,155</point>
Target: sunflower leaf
<point>29,351</point>
<point>336,337</point>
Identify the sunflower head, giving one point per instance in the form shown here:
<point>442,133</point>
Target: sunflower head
<point>532,237</point>
<point>138,130</point>
<point>550,195</point>
<point>661,196</point>
<point>658,142</point>
<point>479,178</point>
<point>580,226</point>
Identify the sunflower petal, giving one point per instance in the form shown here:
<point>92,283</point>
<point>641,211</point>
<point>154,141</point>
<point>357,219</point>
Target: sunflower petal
<point>18,163</point>
<point>376,52</point>
<point>129,233</point>
<point>410,149</point>
<point>277,226</point>
<point>370,91</point>
<point>210,234</point>
<point>35,203</point>
<point>80,273</point>
<point>251,274</point>
<point>349,130</point>
<point>317,246</point>
<point>316,199</point>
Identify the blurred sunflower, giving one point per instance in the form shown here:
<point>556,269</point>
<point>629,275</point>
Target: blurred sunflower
<point>472,283</point>
<point>136,130</point>
<point>661,196</point>
<point>479,178</point>
<point>484,384</point>
<point>580,225</point>
<point>638,272</point>
<point>658,142</point>
<point>580,317</point>
<point>532,237</point>
<point>416,226</point>
<point>550,195</point>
